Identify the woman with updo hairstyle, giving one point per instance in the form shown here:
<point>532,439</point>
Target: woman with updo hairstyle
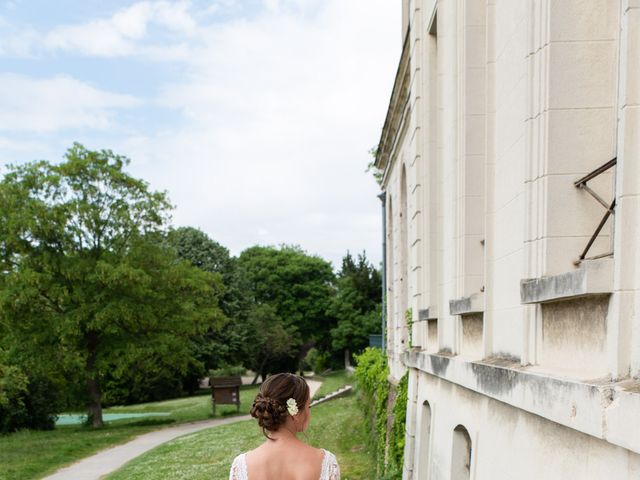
<point>283,409</point>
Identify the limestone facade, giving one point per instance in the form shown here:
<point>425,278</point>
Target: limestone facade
<point>522,349</point>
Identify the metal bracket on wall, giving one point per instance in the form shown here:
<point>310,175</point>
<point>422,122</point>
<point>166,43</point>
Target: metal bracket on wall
<point>610,207</point>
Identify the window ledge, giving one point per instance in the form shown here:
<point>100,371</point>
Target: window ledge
<point>427,314</point>
<point>467,305</point>
<point>594,277</point>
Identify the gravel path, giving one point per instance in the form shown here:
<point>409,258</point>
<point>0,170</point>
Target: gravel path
<point>107,461</point>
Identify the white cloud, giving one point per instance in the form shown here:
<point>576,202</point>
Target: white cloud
<point>281,111</point>
<point>277,113</point>
<point>28,104</point>
<point>122,34</point>
<point>272,5</point>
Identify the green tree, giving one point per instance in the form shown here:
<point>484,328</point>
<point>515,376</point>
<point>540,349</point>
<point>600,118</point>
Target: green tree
<point>271,339</point>
<point>85,274</point>
<point>298,286</point>
<point>356,305</point>
<point>226,346</point>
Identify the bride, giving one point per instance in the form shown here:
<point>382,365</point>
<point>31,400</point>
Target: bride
<point>283,408</point>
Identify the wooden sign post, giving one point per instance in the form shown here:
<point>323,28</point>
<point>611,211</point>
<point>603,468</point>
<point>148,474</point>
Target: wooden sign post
<point>225,391</point>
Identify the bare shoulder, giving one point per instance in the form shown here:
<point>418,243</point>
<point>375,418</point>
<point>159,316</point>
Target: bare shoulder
<point>307,453</point>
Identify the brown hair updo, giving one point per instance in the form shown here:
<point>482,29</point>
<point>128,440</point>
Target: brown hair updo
<point>270,405</point>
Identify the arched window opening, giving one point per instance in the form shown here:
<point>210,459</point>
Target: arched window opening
<point>461,454</point>
<point>425,442</point>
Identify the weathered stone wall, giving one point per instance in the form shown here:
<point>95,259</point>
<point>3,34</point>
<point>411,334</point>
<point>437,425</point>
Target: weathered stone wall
<point>508,443</point>
<point>498,108</point>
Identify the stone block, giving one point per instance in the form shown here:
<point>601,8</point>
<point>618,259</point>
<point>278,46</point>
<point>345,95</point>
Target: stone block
<point>475,42</point>
<point>473,256</point>
<point>582,74</point>
<point>475,12</point>
<point>560,253</point>
<point>511,113</point>
<point>632,58</point>
<point>630,171</point>
<point>506,280</point>
<point>510,173</point>
<point>475,126</point>
<point>507,332</point>
<point>475,91</point>
<point>574,20</point>
<point>474,205</point>
<point>510,18</point>
<point>627,243</point>
<point>509,227</point>
<point>580,140</point>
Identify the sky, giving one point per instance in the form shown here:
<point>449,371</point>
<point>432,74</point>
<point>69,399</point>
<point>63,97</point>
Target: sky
<point>256,116</point>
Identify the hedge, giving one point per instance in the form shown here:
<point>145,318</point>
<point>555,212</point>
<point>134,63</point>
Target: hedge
<point>372,374</point>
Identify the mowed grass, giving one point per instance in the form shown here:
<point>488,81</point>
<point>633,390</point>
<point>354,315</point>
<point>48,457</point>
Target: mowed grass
<point>337,426</point>
<point>332,382</point>
<point>33,454</point>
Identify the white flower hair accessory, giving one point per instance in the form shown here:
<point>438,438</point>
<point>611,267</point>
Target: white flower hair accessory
<point>292,407</point>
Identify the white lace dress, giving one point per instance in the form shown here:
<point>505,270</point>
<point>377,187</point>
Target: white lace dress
<point>330,469</point>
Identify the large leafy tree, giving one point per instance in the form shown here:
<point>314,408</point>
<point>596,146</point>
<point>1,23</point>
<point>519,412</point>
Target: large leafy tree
<point>298,287</point>
<point>356,305</point>
<point>272,341</point>
<point>226,346</point>
<point>87,282</point>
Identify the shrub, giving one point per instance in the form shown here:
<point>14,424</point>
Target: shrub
<point>13,390</point>
<point>371,375</point>
<point>317,361</point>
<point>398,428</point>
<point>228,371</point>
<point>26,402</point>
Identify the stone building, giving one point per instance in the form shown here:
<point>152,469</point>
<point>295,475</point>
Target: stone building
<point>511,169</point>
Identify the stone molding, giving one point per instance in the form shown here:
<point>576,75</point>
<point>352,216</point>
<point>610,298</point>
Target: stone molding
<point>606,410</point>
<point>594,277</point>
<point>467,305</point>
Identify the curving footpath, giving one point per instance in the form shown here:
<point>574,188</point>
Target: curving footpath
<point>107,461</point>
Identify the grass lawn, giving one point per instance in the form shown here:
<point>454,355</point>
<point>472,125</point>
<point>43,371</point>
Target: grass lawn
<point>332,382</point>
<point>33,454</point>
<point>337,426</point>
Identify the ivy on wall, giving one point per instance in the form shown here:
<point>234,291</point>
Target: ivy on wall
<point>386,439</point>
<point>408,316</point>
<point>398,427</point>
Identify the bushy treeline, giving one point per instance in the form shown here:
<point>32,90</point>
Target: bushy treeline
<point>102,302</point>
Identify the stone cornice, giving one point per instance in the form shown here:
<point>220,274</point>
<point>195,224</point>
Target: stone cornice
<point>606,410</point>
<point>395,112</point>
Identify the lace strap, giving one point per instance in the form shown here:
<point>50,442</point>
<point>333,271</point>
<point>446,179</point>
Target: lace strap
<point>330,468</point>
<point>238,468</point>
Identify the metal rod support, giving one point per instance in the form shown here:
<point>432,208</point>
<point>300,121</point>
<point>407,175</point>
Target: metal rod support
<point>596,172</point>
<point>595,195</point>
<point>597,232</point>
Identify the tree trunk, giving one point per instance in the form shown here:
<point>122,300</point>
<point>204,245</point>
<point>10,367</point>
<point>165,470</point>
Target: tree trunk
<point>347,358</point>
<point>260,371</point>
<point>302,354</point>
<point>93,381</point>
<point>95,401</point>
